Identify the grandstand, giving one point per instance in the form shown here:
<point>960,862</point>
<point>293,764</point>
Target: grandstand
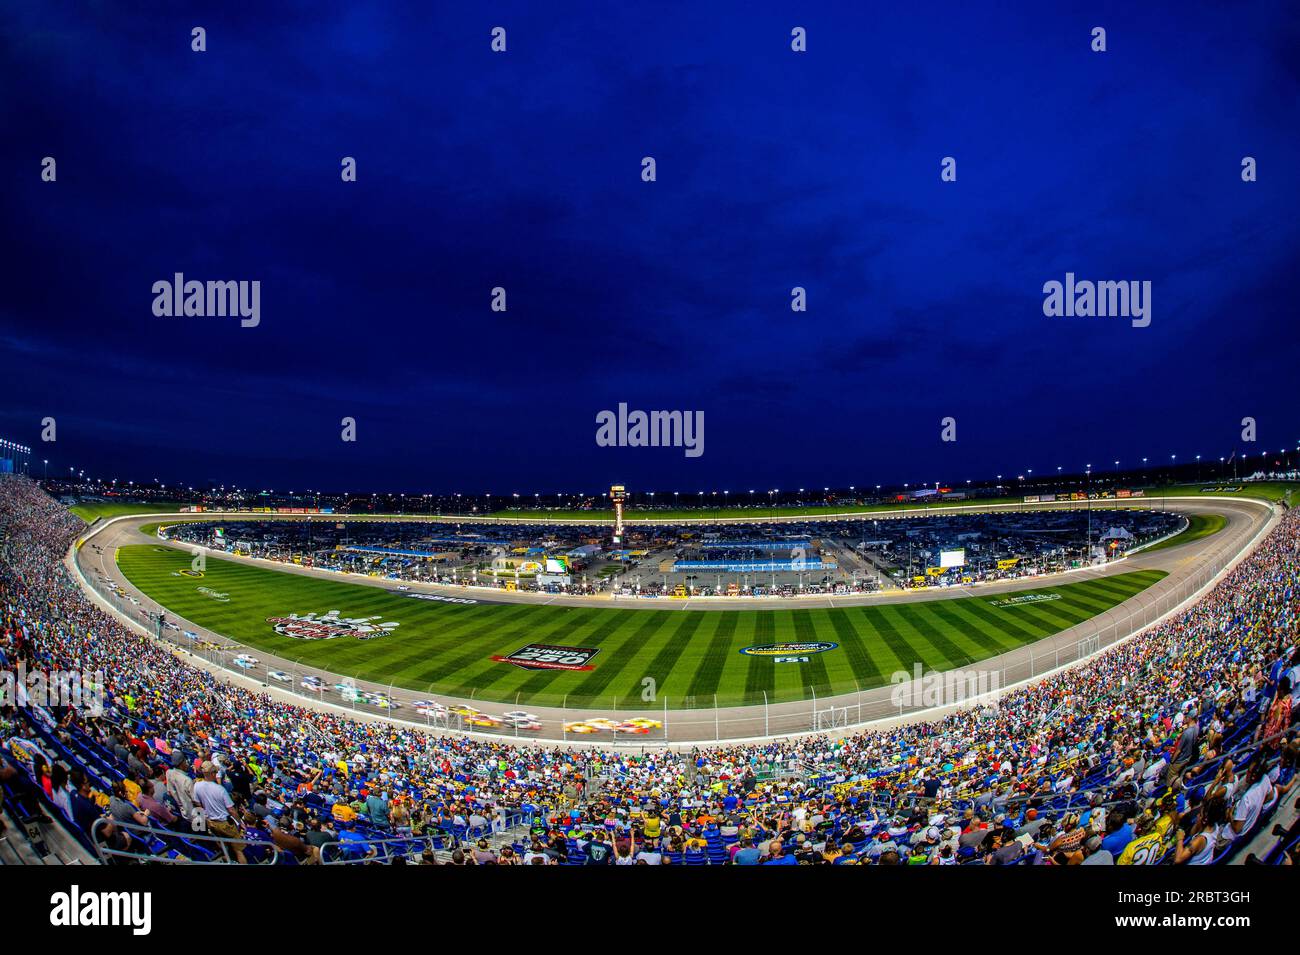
<point>1176,747</point>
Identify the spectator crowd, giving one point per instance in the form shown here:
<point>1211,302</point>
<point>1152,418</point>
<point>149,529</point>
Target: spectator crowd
<point>1175,747</point>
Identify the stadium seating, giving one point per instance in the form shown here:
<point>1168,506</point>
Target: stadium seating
<point>1028,784</point>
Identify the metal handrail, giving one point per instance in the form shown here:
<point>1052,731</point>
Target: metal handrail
<point>373,855</point>
<point>105,853</point>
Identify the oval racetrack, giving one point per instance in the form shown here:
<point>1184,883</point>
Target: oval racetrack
<point>690,633</point>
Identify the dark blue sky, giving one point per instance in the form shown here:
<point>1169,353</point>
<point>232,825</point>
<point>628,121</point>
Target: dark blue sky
<point>522,170</point>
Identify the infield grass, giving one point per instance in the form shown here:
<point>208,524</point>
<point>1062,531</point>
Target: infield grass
<point>1198,526</point>
<point>692,655</point>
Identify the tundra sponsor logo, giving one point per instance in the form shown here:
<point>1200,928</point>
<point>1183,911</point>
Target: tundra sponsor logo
<point>542,656</point>
<point>787,650</point>
<point>215,595</point>
<point>330,626</point>
<point>77,908</point>
<point>1024,599</point>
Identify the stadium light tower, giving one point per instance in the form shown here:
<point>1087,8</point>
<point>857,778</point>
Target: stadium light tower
<point>618,494</point>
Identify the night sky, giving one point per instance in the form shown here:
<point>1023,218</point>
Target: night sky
<point>522,170</point>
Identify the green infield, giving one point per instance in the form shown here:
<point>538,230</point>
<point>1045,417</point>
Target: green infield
<point>1198,527</point>
<point>692,655</point>
<point>91,511</point>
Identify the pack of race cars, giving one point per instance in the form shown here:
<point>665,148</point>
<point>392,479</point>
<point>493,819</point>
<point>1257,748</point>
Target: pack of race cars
<point>455,715</point>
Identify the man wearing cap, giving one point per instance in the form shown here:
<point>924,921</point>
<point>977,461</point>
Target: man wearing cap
<point>216,804</point>
<point>884,843</point>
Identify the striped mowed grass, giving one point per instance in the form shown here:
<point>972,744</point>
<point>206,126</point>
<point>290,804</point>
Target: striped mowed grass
<point>693,656</point>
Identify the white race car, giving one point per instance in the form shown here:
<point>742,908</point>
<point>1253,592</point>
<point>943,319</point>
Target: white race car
<point>279,676</point>
<point>245,661</point>
<point>521,721</point>
<point>313,683</point>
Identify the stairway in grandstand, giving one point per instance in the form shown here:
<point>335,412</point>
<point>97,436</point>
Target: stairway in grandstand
<point>37,842</point>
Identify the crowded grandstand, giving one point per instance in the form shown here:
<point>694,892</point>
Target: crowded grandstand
<point>1176,747</point>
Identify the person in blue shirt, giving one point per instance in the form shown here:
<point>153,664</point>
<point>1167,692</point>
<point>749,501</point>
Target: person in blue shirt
<point>778,856</point>
<point>747,854</point>
<point>1119,835</point>
<point>84,809</point>
<point>354,843</point>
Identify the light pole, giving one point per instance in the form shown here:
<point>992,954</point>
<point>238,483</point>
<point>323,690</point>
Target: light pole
<point>1088,493</point>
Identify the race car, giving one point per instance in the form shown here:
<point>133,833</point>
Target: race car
<point>633,728</point>
<point>482,719</point>
<point>246,661</point>
<point>580,728</point>
<point>602,724</point>
<point>313,683</point>
<point>518,719</point>
<point>279,676</point>
<point>647,723</point>
<point>461,709</point>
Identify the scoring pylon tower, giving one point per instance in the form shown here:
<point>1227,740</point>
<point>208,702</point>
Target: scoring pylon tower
<point>618,494</point>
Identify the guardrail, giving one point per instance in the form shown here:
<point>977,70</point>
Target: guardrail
<point>365,850</point>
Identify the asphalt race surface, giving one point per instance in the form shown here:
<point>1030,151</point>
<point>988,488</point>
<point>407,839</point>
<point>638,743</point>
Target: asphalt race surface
<point>1190,567</point>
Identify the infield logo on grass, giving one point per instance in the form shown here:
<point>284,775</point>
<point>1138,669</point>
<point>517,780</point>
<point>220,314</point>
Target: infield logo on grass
<point>1024,599</point>
<point>545,656</point>
<point>787,649</point>
<point>330,626</point>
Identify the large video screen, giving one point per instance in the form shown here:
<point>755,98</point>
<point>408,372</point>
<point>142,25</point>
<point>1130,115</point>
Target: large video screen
<point>952,558</point>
